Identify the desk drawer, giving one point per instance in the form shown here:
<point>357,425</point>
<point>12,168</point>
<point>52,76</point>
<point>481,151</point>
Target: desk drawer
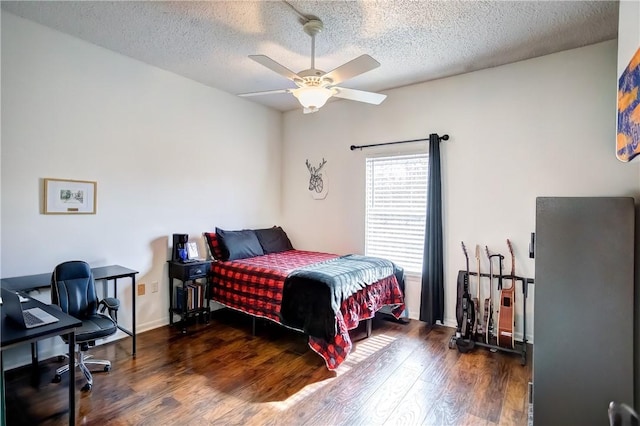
<point>196,271</point>
<point>189,271</point>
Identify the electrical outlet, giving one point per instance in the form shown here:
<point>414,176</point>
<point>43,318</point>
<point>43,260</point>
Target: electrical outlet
<point>141,288</point>
<point>154,287</point>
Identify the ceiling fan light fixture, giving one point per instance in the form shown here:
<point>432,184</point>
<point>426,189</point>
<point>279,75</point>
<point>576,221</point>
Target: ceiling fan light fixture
<point>312,98</point>
<point>315,86</point>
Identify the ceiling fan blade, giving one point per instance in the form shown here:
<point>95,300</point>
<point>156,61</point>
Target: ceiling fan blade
<point>355,67</point>
<point>274,66</point>
<point>359,95</point>
<point>266,92</point>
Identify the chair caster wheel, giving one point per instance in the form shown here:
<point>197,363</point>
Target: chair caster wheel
<point>56,379</point>
<point>86,388</point>
<point>452,342</point>
<point>107,368</point>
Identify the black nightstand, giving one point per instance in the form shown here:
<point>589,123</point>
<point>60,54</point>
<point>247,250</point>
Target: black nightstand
<point>190,298</point>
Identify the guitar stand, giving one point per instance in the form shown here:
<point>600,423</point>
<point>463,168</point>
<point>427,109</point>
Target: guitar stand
<point>520,348</point>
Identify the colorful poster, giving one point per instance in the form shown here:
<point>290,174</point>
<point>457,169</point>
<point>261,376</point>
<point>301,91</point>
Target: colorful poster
<point>628,138</point>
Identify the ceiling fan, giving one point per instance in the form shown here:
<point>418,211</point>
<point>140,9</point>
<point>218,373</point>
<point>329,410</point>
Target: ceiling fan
<point>315,86</point>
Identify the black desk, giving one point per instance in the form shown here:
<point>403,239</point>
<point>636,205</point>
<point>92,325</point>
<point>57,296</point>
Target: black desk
<point>11,335</point>
<point>107,273</point>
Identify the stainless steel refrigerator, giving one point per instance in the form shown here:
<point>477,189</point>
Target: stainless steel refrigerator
<point>583,308</point>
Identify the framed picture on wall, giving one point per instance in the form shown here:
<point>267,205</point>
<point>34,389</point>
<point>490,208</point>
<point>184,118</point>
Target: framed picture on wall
<point>66,196</point>
<point>628,137</point>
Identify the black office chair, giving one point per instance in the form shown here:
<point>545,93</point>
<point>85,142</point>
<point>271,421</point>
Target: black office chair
<point>74,291</point>
<point>622,415</point>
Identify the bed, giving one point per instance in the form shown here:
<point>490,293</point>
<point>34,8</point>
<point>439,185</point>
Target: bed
<point>320,294</point>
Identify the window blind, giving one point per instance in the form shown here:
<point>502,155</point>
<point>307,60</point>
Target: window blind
<point>396,209</point>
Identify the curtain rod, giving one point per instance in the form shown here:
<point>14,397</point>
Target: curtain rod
<point>360,147</point>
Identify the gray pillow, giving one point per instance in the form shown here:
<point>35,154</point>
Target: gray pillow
<point>273,240</point>
<point>239,244</point>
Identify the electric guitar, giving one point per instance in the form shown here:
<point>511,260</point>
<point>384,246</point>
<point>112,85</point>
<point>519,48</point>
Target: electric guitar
<point>468,312</point>
<point>488,302</point>
<point>507,308</point>
<point>477,329</point>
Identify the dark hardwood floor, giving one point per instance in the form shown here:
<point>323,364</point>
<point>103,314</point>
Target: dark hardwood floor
<point>219,373</point>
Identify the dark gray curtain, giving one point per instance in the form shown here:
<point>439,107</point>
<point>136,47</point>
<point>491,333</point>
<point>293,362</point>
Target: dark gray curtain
<point>432,303</point>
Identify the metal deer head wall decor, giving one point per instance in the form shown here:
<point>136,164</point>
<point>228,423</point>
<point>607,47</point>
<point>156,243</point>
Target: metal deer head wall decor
<point>318,182</point>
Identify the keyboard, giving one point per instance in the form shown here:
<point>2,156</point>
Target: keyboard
<point>30,319</point>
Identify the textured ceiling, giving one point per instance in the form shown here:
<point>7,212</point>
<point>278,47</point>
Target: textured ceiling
<point>414,41</point>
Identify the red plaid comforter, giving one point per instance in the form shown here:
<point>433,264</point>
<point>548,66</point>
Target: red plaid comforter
<point>254,286</point>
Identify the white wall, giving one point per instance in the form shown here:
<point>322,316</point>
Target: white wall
<point>169,156</point>
<point>628,32</point>
<point>542,127</point>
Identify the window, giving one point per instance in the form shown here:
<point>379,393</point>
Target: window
<point>396,209</point>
